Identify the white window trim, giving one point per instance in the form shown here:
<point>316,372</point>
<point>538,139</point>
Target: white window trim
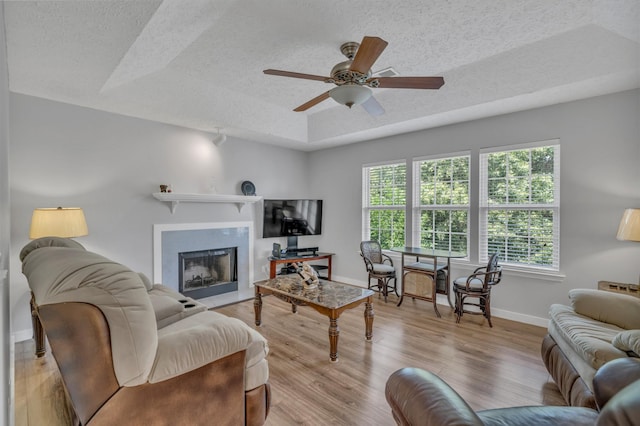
<point>519,147</point>
<point>366,208</point>
<point>442,156</point>
<point>483,209</point>
<point>537,273</point>
<point>417,207</point>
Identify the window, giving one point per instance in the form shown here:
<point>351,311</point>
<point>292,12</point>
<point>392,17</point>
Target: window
<point>441,203</point>
<point>384,201</point>
<point>519,205</point>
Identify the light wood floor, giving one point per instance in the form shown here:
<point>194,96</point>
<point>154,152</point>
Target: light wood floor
<point>489,367</point>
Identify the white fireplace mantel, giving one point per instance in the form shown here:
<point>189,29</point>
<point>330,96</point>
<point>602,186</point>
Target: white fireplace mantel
<point>174,199</point>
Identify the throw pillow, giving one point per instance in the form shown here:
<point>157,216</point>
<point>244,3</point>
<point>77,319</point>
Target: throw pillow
<point>605,306</point>
<point>628,341</point>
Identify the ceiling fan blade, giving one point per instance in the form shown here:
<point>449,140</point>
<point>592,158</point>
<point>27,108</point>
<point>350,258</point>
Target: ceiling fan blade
<point>295,75</point>
<point>315,101</point>
<point>410,82</point>
<point>373,107</point>
<point>370,49</point>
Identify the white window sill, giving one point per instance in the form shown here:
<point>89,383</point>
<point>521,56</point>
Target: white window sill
<point>538,274</point>
<point>467,267</point>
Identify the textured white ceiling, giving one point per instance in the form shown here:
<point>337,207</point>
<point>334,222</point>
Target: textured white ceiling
<point>198,63</point>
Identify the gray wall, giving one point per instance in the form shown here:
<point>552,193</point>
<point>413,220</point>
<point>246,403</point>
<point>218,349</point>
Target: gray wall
<point>110,164</point>
<point>600,153</point>
<point>63,155</point>
<point>5,223</point>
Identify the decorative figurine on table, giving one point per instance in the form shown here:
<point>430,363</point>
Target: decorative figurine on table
<point>308,274</point>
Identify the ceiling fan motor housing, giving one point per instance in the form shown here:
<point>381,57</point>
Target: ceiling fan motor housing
<point>349,49</point>
<point>342,74</point>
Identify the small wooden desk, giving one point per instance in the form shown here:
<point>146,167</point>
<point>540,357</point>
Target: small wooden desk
<point>430,269</point>
<point>274,261</point>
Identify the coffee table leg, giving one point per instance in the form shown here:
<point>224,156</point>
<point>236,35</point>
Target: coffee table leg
<point>257,307</point>
<point>334,332</point>
<point>368,320</point>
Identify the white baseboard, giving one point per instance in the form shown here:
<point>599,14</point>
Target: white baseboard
<point>351,281</point>
<point>518,317</point>
<point>498,313</point>
<point>22,335</point>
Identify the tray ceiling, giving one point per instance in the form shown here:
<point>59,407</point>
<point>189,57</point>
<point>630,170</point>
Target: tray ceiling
<point>198,63</point>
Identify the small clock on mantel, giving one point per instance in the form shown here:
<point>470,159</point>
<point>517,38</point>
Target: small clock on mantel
<point>248,188</point>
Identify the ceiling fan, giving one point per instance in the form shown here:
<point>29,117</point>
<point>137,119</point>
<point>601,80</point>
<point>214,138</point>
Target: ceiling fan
<point>353,77</point>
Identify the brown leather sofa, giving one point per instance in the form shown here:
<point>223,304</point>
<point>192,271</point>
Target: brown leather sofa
<point>418,397</point>
<point>126,358</point>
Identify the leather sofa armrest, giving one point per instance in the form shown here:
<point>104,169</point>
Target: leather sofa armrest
<point>613,377</point>
<point>419,397</point>
<point>623,409</point>
<point>539,416</point>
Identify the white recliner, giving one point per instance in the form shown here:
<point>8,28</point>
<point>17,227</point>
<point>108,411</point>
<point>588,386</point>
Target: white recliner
<point>132,353</point>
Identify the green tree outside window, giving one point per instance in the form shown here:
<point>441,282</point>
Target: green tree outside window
<point>443,203</point>
<point>384,209</point>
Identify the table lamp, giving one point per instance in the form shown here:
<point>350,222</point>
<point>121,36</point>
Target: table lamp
<point>629,229</point>
<point>61,222</point>
<point>53,222</point>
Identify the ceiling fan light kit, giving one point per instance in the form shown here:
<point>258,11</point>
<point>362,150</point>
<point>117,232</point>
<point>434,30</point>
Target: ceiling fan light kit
<point>353,77</point>
<point>350,94</point>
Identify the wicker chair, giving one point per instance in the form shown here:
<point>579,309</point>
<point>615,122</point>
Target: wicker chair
<point>477,286</point>
<point>379,267</point>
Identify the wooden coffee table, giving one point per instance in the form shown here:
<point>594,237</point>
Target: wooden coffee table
<point>330,298</point>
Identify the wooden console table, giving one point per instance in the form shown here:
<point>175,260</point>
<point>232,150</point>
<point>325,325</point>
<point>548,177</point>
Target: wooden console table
<point>274,261</point>
<point>623,288</point>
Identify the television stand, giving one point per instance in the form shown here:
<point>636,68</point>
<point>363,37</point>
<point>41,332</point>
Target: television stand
<point>301,252</point>
<point>295,258</point>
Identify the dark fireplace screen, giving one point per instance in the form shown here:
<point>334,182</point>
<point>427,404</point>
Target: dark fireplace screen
<point>207,273</point>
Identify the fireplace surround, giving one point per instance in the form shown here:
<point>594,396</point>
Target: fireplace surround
<point>203,259</point>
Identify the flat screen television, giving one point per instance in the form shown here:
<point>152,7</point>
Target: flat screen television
<point>287,218</point>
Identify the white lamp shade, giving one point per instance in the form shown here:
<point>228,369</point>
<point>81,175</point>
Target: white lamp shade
<point>58,222</point>
<point>350,94</point>
<point>629,229</point>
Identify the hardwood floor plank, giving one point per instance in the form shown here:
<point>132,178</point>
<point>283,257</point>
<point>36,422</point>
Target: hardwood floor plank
<point>20,391</point>
<point>490,367</point>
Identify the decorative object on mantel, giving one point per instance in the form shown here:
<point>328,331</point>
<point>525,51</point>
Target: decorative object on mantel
<point>176,198</point>
<point>165,188</point>
<point>248,188</point>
